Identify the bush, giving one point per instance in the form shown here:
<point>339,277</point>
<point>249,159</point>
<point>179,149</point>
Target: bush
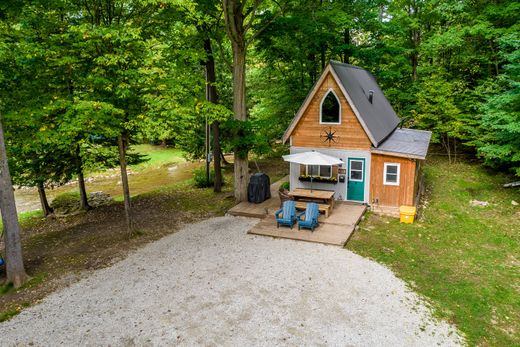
<point>69,202</point>
<point>66,201</point>
<point>284,186</point>
<point>199,178</point>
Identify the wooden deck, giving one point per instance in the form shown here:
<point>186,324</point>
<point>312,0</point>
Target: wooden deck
<point>261,210</point>
<point>334,230</point>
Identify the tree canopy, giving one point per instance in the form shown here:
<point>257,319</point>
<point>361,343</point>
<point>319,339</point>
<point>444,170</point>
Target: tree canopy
<point>76,76</point>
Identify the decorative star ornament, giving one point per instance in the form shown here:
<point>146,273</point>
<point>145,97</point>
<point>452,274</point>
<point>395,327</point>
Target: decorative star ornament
<point>329,135</point>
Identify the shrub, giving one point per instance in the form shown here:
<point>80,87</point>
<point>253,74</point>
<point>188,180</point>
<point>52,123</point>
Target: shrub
<point>66,201</point>
<point>284,186</point>
<point>199,178</point>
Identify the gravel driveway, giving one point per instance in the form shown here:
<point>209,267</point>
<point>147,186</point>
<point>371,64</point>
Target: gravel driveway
<point>212,284</point>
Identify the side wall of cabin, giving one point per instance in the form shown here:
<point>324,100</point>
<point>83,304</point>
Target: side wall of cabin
<point>386,198</point>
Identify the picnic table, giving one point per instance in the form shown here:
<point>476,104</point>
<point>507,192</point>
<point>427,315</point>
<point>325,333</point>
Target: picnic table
<point>326,198</point>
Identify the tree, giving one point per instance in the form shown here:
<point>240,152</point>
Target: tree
<point>36,159</point>
<point>210,28</point>
<point>499,140</point>
<point>239,21</point>
<point>13,246</point>
<point>116,52</point>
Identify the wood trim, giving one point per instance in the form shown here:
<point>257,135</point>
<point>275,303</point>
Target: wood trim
<point>397,154</point>
<point>385,173</point>
<point>334,171</point>
<point>307,132</point>
<point>311,95</point>
<point>306,103</point>
<point>330,90</point>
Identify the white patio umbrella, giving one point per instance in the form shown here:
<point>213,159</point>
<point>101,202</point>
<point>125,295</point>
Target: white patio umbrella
<point>312,158</point>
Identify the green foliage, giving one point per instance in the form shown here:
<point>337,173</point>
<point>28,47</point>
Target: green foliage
<point>285,186</point>
<point>72,81</point>
<point>245,136</point>
<point>66,201</point>
<point>201,180</point>
<point>500,127</point>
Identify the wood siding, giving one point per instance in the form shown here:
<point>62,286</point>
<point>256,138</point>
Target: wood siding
<point>351,133</point>
<point>387,195</point>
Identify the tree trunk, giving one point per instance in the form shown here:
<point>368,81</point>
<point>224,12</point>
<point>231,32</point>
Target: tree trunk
<point>83,198</point>
<point>415,38</point>
<point>121,144</point>
<point>212,96</point>
<point>239,108</point>
<point>446,144</point>
<point>323,48</point>
<point>415,63</point>
<point>46,208</point>
<point>346,51</point>
<point>207,150</point>
<point>224,161</point>
<point>454,150</point>
<point>216,156</point>
<point>312,68</point>
<point>13,245</point>
<point>235,13</point>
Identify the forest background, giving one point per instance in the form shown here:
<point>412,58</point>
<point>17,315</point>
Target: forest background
<point>81,81</point>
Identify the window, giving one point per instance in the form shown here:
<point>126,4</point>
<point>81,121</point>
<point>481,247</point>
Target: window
<point>319,170</point>
<point>330,109</point>
<point>356,170</point>
<point>391,174</point>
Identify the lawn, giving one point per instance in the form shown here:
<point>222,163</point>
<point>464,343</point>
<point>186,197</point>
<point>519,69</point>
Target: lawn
<point>157,155</point>
<point>464,259</point>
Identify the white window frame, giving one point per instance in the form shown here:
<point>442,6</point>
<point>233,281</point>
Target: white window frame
<point>386,183</point>
<point>362,170</point>
<point>321,104</point>
<point>319,170</point>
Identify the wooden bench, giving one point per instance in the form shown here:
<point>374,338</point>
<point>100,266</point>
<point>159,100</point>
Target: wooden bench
<point>325,208</point>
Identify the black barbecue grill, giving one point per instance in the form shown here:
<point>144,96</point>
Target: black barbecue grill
<point>259,188</point>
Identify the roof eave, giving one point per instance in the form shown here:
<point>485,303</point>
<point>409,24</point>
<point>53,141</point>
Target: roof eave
<point>397,154</point>
<point>304,106</point>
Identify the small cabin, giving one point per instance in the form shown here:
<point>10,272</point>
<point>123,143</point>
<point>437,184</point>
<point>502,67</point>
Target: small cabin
<point>347,116</point>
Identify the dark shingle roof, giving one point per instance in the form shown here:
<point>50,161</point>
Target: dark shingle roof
<point>379,117</point>
<point>409,143</point>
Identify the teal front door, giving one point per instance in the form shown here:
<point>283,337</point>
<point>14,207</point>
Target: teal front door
<point>356,179</point>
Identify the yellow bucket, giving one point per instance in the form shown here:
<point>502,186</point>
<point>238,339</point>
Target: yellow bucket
<point>407,214</point>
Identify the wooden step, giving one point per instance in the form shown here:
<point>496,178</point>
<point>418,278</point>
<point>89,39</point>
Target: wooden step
<point>325,208</point>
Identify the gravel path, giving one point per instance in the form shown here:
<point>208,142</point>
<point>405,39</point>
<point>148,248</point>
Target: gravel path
<point>211,284</point>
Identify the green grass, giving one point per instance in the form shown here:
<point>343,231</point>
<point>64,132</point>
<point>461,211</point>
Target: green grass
<point>26,219</point>
<point>158,156</point>
<point>33,282</point>
<point>8,314</point>
<point>464,259</point>
<point>14,308</point>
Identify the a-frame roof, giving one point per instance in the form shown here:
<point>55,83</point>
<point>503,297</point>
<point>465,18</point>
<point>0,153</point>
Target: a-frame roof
<point>377,118</point>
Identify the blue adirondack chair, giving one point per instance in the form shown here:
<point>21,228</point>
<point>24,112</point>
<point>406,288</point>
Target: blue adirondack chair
<point>310,217</point>
<point>287,214</point>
